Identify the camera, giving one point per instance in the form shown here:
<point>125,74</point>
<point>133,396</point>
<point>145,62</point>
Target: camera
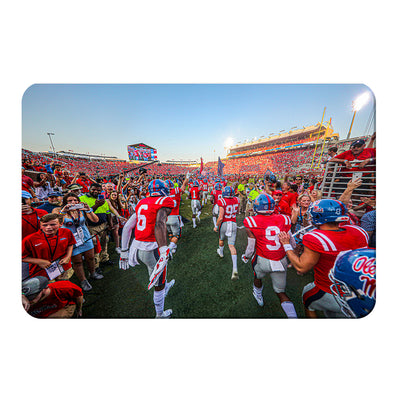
<point>142,171</point>
<point>78,206</point>
<point>100,197</point>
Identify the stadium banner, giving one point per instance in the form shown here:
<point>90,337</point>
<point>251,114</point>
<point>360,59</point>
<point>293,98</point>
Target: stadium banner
<point>141,152</point>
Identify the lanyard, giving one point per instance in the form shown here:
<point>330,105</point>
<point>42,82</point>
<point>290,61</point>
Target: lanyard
<point>55,247</point>
<point>37,222</point>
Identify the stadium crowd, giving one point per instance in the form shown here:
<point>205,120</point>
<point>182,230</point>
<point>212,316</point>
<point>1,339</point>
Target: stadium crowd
<point>71,208</point>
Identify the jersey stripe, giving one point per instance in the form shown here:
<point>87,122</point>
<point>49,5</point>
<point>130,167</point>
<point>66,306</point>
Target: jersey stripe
<point>158,200</point>
<point>254,222</point>
<point>324,245</point>
<point>249,222</point>
<point>329,241</point>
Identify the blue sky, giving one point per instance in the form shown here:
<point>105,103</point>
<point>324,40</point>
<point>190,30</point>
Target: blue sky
<point>180,121</point>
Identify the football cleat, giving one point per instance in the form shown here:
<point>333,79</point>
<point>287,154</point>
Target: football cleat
<point>221,254</point>
<point>258,297</point>
<point>235,276</point>
<point>165,314</point>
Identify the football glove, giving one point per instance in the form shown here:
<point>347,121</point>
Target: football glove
<point>159,267</point>
<point>245,259</point>
<point>123,260</point>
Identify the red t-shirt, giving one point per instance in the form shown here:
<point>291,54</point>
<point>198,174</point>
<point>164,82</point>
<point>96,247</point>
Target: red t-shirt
<point>266,229</point>
<point>290,198</point>
<point>194,193</point>
<point>329,244</point>
<point>364,155</point>
<point>175,195</point>
<point>30,222</point>
<point>230,206</point>
<point>146,214</point>
<point>55,247</point>
<point>62,294</point>
<point>283,208</point>
<point>84,183</point>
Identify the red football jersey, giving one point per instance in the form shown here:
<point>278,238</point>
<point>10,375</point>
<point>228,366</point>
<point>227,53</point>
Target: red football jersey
<point>230,206</point>
<point>31,222</point>
<point>146,214</point>
<point>217,195</point>
<point>204,186</point>
<point>175,195</point>
<point>62,293</point>
<point>55,247</point>
<point>329,244</point>
<point>195,193</point>
<point>266,229</point>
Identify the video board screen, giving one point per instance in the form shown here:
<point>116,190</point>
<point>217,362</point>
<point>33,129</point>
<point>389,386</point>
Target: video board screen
<point>140,152</point>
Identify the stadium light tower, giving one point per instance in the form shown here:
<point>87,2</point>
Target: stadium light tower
<point>357,105</point>
<point>50,134</point>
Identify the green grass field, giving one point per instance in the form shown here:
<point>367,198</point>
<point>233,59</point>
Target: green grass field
<point>203,287</point>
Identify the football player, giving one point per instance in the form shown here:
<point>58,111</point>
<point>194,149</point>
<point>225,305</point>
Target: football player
<point>216,195</point>
<point>262,231</point>
<point>321,247</point>
<point>195,195</point>
<point>226,225</point>
<point>174,221</point>
<point>150,244</point>
<point>204,189</point>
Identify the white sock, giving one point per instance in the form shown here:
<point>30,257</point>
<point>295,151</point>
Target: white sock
<point>198,214</point>
<point>215,221</point>
<point>158,298</point>
<point>289,309</point>
<point>194,222</point>
<point>221,249</point>
<point>234,261</point>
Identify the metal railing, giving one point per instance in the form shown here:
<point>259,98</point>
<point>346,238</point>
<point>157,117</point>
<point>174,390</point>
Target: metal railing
<point>336,178</point>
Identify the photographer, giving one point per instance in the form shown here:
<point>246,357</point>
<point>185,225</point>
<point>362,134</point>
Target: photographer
<point>75,213</point>
<point>101,208</point>
<point>43,187</point>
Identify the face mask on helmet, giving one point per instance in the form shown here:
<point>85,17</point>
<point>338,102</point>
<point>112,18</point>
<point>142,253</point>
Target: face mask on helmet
<point>354,282</point>
<point>228,192</point>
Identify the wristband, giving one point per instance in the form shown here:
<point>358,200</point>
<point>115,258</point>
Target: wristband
<point>89,211</point>
<point>62,213</point>
<point>287,247</point>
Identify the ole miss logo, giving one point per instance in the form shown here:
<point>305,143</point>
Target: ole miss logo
<point>366,267</point>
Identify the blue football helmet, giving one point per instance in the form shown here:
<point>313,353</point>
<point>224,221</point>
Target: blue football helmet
<point>327,210</point>
<point>170,184</point>
<point>195,184</point>
<point>228,192</point>
<point>264,204</point>
<point>354,281</point>
<point>157,187</point>
<point>218,186</point>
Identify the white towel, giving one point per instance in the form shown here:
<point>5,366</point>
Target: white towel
<point>276,266</point>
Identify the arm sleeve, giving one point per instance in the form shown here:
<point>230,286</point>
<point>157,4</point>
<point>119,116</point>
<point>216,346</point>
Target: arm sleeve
<point>251,243</point>
<point>127,231</point>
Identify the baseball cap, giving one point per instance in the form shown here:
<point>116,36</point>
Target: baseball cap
<point>277,192</point>
<point>33,286</point>
<point>54,194</point>
<point>26,195</point>
<point>358,143</point>
<point>74,187</point>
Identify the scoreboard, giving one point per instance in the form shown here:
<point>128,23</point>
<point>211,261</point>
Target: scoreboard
<point>141,152</point>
